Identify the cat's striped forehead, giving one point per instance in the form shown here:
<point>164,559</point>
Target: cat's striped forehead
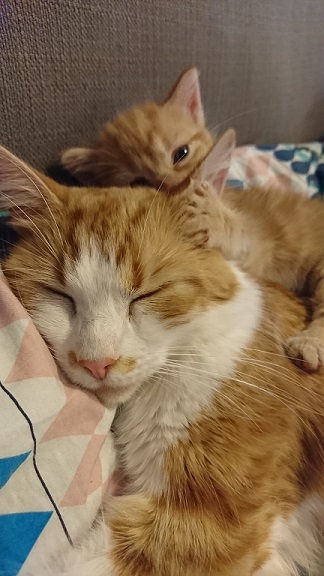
<point>133,231</point>
<point>131,243</point>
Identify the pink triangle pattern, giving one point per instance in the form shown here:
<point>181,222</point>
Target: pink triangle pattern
<point>88,476</point>
<point>280,182</point>
<point>73,430</point>
<point>80,415</point>
<point>27,365</point>
<point>8,312</point>
<point>258,165</point>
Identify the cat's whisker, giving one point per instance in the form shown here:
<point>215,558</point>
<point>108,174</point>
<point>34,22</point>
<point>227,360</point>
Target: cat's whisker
<point>293,400</point>
<point>270,366</point>
<point>16,269</point>
<point>271,369</point>
<point>38,231</point>
<point>33,210</point>
<point>258,400</point>
<point>26,244</point>
<point>269,353</point>
<point>244,357</point>
<point>39,191</point>
<point>43,257</point>
<point>148,213</point>
<point>289,402</point>
<point>196,395</point>
<point>3,242</point>
<point>40,250</point>
<point>17,288</point>
<point>231,118</point>
<point>280,395</point>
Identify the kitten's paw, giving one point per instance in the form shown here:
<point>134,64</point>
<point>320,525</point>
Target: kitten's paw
<point>198,215</point>
<point>306,350</point>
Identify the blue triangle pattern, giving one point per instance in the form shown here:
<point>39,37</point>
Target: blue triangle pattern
<point>18,534</point>
<point>9,465</point>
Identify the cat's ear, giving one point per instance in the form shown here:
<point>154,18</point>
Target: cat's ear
<point>79,162</point>
<point>214,169</point>
<point>23,191</point>
<point>186,93</point>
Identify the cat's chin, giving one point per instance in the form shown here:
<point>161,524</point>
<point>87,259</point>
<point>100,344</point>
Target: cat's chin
<point>111,396</point>
<point>109,393</point>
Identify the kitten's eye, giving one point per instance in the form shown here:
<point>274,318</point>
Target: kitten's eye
<point>139,182</point>
<point>180,153</point>
<point>64,296</point>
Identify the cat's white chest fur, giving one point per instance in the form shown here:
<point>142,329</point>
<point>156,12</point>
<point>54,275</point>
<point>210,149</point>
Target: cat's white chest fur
<point>159,414</point>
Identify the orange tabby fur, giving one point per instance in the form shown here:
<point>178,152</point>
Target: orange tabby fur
<point>273,235</point>
<point>246,461</point>
<point>139,143</point>
<point>255,452</point>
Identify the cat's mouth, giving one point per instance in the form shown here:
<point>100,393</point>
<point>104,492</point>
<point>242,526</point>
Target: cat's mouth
<point>122,365</point>
<point>110,390</point>
<point>113,385</point>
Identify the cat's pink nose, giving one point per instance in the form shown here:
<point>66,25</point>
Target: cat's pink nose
<point>99,368</point>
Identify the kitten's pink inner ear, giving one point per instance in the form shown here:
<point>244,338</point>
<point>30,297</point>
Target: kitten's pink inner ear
<point>215,167</point>
<point>186,93</point>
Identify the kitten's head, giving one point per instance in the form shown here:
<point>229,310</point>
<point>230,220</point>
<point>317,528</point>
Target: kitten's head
<point>107,276</point>
<point>152,144</point>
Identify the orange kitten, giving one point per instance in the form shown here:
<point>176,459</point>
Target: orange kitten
<point>157,144</point>
<point>220,435</point>
<point>277,236</point>
<point>273,235</point>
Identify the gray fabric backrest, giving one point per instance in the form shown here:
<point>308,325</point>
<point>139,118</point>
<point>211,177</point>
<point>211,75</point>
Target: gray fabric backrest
<point>67,66</point>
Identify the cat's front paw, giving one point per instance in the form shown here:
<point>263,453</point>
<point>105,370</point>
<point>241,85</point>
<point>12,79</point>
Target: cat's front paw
<point>306,350</point>
<point>198,218</point>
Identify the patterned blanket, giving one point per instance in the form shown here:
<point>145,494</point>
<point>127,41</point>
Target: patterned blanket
<point>299,168</point>
<point>56,452</point>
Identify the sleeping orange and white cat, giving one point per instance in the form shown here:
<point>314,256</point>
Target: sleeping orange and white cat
<point>273,235</point>
<point>220,436</point>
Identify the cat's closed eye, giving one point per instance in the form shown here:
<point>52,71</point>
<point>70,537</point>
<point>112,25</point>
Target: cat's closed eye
<point>139,182</point>
<point>180,153</point>
<point>141,297</point>
<point>64,296</point>
<point>146,295</point>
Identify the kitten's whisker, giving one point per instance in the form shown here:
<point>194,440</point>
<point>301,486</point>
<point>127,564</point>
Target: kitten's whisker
<point>256,109</point>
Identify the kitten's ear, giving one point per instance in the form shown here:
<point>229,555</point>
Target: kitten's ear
<point>79,162</point>
<point>186,93</point>
<point>214,169</point>
<point>23,191</point>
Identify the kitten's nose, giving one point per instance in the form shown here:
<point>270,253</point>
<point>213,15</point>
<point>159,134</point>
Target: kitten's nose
<point>99,368</point>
